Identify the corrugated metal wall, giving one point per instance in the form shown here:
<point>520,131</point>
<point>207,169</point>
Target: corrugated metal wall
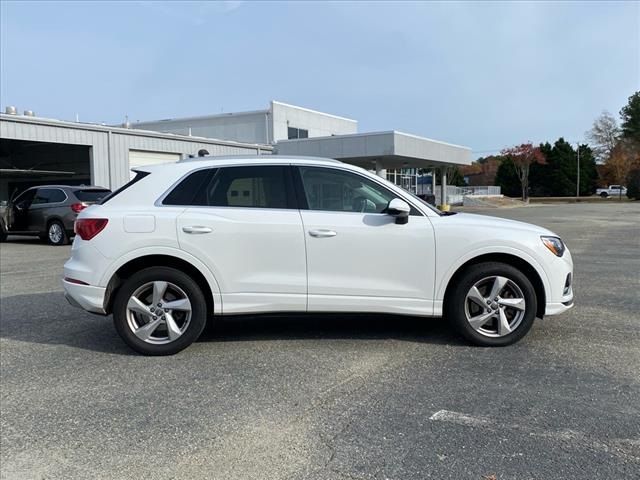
<point>110,146</point>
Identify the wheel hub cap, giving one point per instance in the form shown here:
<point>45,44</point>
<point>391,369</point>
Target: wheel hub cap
<point>158,312</point>
<point>495,306</point>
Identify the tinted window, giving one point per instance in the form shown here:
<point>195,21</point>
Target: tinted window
<point>252,187</point>
<point>341,191</point>
<point>139,176</point>
<point>91,195</point>
<point>25,198</point>
<point>49,195</point>
<point>293,133</point>
<point>185,192</point>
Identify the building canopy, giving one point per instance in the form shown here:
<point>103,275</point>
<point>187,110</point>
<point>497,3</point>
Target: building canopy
<point>380,150</point>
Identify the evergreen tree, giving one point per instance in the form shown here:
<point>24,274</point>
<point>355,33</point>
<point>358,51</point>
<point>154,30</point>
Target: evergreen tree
<point>630,115</point>
<point>507,178</point>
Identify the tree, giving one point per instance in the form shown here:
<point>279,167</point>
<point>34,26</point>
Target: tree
<point>522,157</point>
<point>630,115</point>
<point>633,184</point>
<point>604,135</point>
<point>507,179</point>
<point>623,159</point>
<point>558,176</point>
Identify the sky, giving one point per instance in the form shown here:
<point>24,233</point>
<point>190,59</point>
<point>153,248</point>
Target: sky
<point>484,75</point>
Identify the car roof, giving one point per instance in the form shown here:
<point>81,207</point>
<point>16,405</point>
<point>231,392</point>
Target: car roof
<point>213,161</point>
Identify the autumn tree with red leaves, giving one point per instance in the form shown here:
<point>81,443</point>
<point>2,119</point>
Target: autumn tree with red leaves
<point>523,156</point>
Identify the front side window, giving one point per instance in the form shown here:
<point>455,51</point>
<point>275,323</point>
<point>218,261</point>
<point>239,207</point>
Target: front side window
<point>340,191</point>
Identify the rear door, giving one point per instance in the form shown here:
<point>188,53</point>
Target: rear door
<point>243,223</point>
<point>47,203</point>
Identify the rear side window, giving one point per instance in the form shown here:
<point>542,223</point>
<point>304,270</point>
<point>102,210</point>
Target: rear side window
<point>94,195</point>
<point>139,176</point>
<point>185,192</point>
<point>248,187</point>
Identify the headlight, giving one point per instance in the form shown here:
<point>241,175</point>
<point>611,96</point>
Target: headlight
<point>554,244</point>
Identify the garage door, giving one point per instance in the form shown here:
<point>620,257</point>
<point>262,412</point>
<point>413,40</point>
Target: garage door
<point>141,158</point>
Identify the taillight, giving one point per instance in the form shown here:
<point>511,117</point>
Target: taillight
<point>78,207</point>
<point>87,228</point>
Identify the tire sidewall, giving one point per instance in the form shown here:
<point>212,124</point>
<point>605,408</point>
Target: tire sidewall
<point>182,280</point>
<point>475,273</point>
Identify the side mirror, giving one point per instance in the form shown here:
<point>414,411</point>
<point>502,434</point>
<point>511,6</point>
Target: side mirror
<point>400,209</point>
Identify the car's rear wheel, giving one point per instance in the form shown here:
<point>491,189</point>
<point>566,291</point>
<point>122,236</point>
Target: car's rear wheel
<point>492,304</point>
<point>159,311</point>
<point>56,234</point>
<point>604,194</point>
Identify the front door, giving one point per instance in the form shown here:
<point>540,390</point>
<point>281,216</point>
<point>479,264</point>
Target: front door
<point>245,226</point>
<point>19,219</point>
<point>358,258</point>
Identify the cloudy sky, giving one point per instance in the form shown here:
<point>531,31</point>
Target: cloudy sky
<point>484,75</point>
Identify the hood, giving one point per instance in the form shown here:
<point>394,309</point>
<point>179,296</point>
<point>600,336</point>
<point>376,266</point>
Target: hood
<point>474,220</point>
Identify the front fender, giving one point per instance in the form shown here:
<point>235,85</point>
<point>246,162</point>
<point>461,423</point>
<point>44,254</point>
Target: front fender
<point>460,261</point>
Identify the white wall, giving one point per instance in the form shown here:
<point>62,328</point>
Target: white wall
<point>249,127</point>
<point>317,123</point>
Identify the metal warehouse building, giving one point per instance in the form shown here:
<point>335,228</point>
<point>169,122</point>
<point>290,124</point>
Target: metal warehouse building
<point>35,151</point>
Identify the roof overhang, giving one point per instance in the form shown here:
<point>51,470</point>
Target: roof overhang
<point>391,149</point>
<point>18,172</point>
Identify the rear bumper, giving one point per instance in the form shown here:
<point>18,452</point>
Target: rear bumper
<point>87,297</point>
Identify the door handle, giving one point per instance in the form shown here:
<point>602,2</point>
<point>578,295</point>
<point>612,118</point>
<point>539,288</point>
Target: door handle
<point>322,233</point>
<point>196,229</point>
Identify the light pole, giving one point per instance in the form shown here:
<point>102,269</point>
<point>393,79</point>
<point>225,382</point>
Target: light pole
<point>578,176</point>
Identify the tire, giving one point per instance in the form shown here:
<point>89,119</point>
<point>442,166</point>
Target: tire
<point>187,319</point>
<point>507,320</point>
<point>56,234</point>
<point>604,194</point>
<point>3,234</point>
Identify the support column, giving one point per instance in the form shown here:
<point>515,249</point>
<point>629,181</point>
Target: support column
<point>434,184</point>
<point>444,206</point>
<point>381,172</point>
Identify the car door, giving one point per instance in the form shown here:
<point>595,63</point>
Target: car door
<point>244,224</point>
<point>46,203</point>
<point>358,257</point>
<point>19,216</point>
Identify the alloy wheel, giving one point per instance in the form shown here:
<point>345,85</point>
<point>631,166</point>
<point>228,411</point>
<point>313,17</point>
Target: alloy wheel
<point>158,312</point>
<point>495,306</point>
<point>55,233</point>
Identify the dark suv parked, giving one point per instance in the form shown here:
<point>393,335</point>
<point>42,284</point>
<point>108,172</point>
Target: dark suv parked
<point>47,211</point>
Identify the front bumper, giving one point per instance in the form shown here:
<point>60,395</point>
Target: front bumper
<point>87,297</point>
<point>558,308</point>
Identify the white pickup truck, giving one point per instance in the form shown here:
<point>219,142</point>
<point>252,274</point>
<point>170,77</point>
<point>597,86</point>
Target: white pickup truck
<point>612,191</point>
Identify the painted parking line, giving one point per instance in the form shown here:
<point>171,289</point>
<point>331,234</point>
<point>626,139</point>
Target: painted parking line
<point>623,447</point>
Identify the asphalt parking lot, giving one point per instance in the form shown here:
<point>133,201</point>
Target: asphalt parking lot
<point>360,397</point>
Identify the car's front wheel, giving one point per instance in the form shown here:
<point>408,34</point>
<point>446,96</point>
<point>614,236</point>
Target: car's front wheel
<point>159,311</point>
<point>492,304</point>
